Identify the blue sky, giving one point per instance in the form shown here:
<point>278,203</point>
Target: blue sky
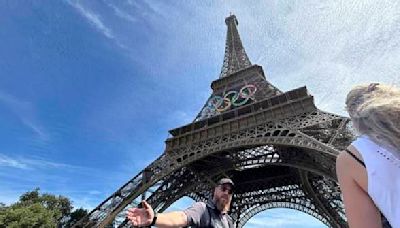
<point>89,89</point>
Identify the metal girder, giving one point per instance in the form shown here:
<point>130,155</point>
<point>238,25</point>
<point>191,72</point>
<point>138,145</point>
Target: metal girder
<point>235,58</point>
<point>322,202</point>
<point>277,135</point>
<point>178,185</point>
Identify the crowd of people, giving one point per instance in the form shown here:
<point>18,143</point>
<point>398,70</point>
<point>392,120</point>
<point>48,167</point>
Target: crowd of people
<point>368,171</point>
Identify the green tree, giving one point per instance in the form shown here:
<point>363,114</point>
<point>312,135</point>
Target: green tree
<point>34,215</point>
<point>39,210</point>
<point>60,205</point>
<point>75,216</point>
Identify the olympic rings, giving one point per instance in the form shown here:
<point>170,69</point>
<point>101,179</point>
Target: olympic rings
<point>252,89</point>
<point>226,105</point>
<point>215,101</point>
<point>217,104</point>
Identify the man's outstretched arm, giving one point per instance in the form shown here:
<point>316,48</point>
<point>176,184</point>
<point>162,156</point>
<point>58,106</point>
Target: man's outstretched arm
<point>144,217</point>
<point>171,219</point>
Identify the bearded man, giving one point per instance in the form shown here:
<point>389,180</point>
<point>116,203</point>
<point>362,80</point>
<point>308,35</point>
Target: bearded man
<point>213,214</point>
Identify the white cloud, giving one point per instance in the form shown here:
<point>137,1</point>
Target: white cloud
<point>26,113</point>
<point>10,162</point>
<point>32,164</point>
<point>327,46</point>
<point>93,18</point>
<point>122,14</point>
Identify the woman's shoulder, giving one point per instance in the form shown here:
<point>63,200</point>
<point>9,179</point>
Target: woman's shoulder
<point>350,169</point>
<point>348,157</point>
<point>362,143</point>
<point>362,139</point>
<point>376,153</point>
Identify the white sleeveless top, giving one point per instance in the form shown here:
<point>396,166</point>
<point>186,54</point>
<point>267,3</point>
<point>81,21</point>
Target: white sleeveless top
<point>383,170</point>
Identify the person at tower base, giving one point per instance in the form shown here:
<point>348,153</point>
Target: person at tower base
<point>214,213</point>
<point>369,169</point>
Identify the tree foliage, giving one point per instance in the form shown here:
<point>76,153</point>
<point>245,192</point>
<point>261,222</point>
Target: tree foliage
<point>39,210</point>
<point>34,215</point>
<point>75,216</point>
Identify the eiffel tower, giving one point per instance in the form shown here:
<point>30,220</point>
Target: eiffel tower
<point>278,148</point>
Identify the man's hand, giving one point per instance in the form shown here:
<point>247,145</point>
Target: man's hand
<point>141,216</point>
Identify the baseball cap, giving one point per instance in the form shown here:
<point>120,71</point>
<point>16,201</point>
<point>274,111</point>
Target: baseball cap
<point>226,181</point>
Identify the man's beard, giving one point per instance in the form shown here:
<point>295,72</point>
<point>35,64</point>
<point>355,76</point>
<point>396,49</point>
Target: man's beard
<point>222,204</point>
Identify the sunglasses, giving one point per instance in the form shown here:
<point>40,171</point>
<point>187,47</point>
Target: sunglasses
<point>225,188</point>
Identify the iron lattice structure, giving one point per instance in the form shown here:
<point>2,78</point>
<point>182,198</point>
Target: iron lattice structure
<point>278,148</point>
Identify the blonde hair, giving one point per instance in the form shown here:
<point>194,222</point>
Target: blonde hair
<point>375,111</point>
